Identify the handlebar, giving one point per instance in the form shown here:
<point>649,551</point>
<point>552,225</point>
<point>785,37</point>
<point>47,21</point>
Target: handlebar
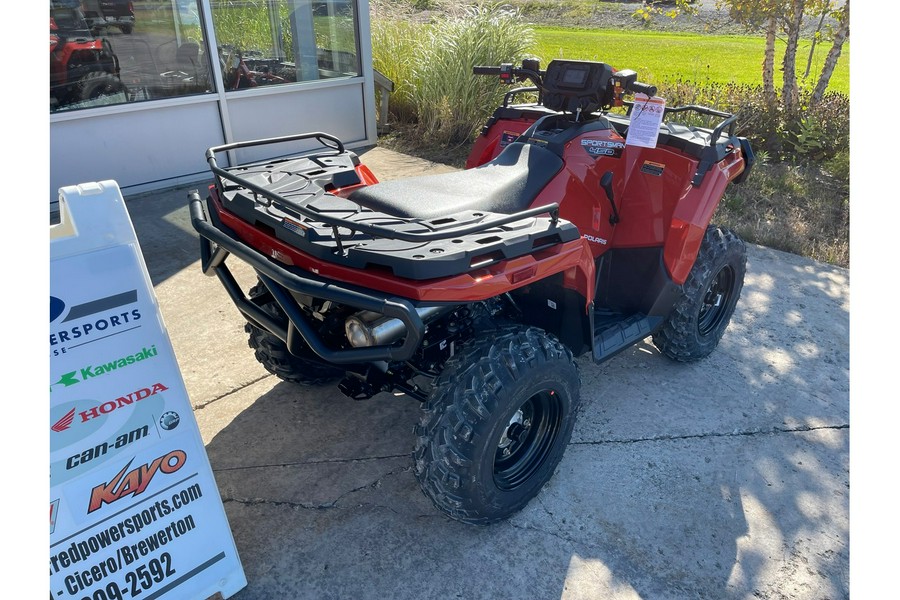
<point>643,88</point>
<point>625,80</point>
<point>509,74</point>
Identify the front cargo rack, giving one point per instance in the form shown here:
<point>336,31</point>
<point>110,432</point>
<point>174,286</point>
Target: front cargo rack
<point>297,200</point>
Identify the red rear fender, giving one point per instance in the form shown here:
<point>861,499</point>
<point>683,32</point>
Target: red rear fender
<point>693,214</point>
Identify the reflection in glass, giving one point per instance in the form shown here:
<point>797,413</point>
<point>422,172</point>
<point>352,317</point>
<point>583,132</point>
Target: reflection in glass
<point>265,42</point>
<point>105,52</point>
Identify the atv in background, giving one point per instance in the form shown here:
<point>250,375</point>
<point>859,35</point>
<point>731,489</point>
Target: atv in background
<point>474,291</point>
<point>83,69</point>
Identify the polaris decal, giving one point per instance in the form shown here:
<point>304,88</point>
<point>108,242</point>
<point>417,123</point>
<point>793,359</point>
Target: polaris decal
<point>95,319</point>
<point>100,369</point>
<point>597,148</point>
<point>595,239</point>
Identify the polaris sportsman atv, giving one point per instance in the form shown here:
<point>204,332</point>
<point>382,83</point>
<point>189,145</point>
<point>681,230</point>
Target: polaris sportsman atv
<point>472,291</point>
<point>82,68</point>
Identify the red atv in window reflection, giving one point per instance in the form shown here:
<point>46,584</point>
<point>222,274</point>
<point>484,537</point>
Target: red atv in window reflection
<point>82,67</point>
<point>249,69</point>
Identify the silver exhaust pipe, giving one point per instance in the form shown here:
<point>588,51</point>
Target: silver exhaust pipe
<point>367,328</point>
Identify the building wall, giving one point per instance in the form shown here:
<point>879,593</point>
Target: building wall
<point>161,142</point>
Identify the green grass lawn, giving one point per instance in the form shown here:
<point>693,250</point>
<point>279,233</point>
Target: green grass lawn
<point>661,57</point>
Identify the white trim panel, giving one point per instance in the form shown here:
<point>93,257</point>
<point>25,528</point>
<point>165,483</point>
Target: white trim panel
<point>155,147</point>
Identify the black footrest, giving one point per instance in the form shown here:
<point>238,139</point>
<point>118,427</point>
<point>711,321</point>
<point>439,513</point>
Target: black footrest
<point>612,335</point>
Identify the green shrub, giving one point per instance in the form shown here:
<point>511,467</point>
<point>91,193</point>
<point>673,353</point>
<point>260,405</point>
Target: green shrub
<point>822,131</point>
<point>817,133</point>
<point>839,166</point>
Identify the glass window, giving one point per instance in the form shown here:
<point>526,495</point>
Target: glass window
<point>106,52</point>
<point>270,42</point>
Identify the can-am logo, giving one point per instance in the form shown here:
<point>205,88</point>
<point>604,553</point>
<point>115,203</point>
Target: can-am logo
<point>107,407</point>
<point>93,371</point>
<point>96,316</point>
<point>135,481</point>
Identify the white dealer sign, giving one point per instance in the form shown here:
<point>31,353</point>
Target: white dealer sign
<point>134,508</point>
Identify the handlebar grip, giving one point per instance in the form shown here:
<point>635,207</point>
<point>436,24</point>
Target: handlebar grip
<point>485,70</point>
<point>643,88</point>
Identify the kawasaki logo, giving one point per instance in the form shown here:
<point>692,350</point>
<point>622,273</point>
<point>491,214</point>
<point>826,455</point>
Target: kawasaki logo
<point>136,481</point>
<point>91,371</point>
<point>107,407</point>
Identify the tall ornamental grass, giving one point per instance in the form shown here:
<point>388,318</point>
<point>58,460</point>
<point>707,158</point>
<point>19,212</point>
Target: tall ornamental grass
<point>434,83</point>
<point>394,39</point>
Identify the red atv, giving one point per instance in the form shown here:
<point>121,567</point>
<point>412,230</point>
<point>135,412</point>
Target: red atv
<point>473,291</point>
<point>82,67</point>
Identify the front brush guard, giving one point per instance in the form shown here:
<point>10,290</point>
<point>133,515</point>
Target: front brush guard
<point>215,247</point>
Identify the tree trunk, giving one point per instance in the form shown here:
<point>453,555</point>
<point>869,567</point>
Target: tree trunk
<point>768,74</point>
<point>789,88</point>
<point>815,39</point>
<point>843,31</point>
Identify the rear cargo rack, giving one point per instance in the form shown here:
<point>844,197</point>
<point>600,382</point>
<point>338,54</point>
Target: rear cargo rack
<point>291,198</point>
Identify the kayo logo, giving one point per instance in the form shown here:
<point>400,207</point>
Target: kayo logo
<point>107,407</point>
<point>135,481</point>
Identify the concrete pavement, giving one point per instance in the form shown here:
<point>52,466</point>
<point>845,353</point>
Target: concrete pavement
<point>723,479</point>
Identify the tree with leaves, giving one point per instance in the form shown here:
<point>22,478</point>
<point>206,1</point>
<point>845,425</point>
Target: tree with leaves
<point>774,18</point>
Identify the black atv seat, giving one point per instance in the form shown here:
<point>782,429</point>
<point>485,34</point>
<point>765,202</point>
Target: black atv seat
<point>505,185</point>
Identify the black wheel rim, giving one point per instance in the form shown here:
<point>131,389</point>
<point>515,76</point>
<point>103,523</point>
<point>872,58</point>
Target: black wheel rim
<point>527,440</point>
<point>716,301</point>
